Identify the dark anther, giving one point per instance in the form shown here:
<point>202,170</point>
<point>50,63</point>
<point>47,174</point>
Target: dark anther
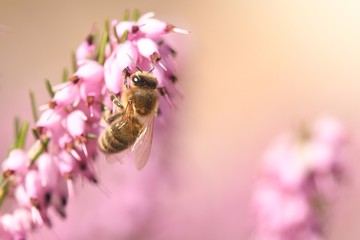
<point>68,176</point>
<point>93,180</point>
<point>40,130</point>
<point>172,52</point>
<point>47,198</point>
<point>64,201</point>
<point>69,146</point>
<point>155,57</point>
<point>81,139</point>
<point>173,78</point>
<point>8,173</point>
<point>83,166</point>
<point>162,91</point>
<point>35,203</point>
<point>74,79</point>
<point>62,213</point>
<point>135,29</point>
<point>90,100</point>
<point>52,104</point>
<point>169,27</point>
<point>90,39</point>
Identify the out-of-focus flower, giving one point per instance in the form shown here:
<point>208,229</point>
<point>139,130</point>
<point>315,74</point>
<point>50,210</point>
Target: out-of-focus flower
<point>66,146</point>
<point>299,177</point>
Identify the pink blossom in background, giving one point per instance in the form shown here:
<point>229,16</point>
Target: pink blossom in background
<point>45,177</point>
<point>299,179</point>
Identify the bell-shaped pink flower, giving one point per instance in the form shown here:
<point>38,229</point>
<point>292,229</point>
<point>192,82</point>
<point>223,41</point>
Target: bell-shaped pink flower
<point>33,184</point>
<point>86,50</point>
<point>154,28</point>
<point>90,71</point>
<point>17,162</point>
<point>147,47</point>
<point>21,196</point>
<point>121,58</point>
<point>67,94</point>
<point>65,162</point>
<point>48,171</point>
<point>76,123</point>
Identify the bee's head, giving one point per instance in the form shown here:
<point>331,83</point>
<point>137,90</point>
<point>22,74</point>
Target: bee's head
<point>143,80</point>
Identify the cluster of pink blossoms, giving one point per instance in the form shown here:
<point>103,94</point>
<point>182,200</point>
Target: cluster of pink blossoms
<point>299,178</point>
<point>66,147</point>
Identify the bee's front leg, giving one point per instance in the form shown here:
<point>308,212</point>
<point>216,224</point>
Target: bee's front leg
<point>117,103</point>
<point>118,110</point>
<point>110,117</point>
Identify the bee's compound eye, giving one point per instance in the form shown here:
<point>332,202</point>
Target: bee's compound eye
<point>136,80</point>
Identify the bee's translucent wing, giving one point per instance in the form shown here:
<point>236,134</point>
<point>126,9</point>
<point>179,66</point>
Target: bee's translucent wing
<point>142,145</point>
<point>116,157</point>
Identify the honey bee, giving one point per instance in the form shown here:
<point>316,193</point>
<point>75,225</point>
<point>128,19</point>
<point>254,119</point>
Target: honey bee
<point>131,124</point>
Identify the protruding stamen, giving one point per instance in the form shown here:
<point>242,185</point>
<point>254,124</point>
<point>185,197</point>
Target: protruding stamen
<point>164,93</point>
<point>89,103</point>
<point>60,87</point>
<point>135,29</point>
<point>70,187</point>
<point>172,28</point>
<point>84,149</point>
<point>6,174</point>
<point>35,203</point>
<point>162,66</point>
<point>90,39</point>
<point>69,147</point>
<point>74,79</point>
<point>155,58</point>
<point>52,104</point>
<point>178,89</point>
<point>36,216</point>
<point>75,154</point>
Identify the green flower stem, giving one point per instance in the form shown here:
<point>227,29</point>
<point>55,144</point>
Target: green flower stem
<point>33,106</point>
<point>4,190</point>
<point>49,88</point>
<point>124,37</point>
<point>136,15</point>
<point>39,151</point>
<point>65,76</point>
<point>103,42</point>
<point>21,138</point>
<point>73,62</point>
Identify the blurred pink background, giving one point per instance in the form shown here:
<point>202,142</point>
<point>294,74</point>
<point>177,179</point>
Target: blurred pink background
<point>250,70</point>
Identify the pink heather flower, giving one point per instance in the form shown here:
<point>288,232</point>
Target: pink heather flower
<point>298,176</point>
<point>67,130</point>
<point>120,59</point>
<point>86,50</point>
<point>16,163</point>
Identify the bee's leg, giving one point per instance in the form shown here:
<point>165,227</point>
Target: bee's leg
<point>116,103</point>
<point>108,115</point>
<point>109,118</point>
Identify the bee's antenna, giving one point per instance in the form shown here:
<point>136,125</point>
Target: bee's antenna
<point>153,67</point>
<point>134,63</point>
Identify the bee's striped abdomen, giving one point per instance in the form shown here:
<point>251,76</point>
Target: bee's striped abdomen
<point>117,137</point>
